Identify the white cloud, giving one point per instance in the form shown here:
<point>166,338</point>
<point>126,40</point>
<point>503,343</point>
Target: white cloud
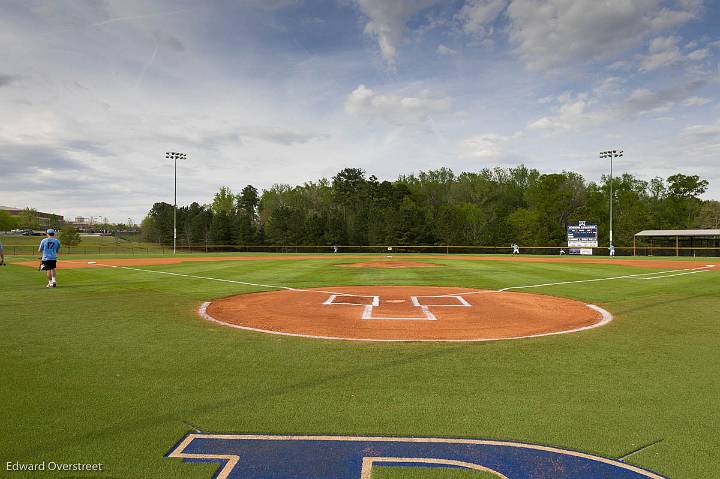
<point>643,100</point>
<point>663,52</point>
<point>609,86</point>
<point>696,101</point>
<point>444,51</point>
<point>387,22</point>
<point>487,146</point>
<point>395,108</point>
<point>589,110</point>
<point>711,132</point>
<point>699,54</point>
<point>477,16</point>
<point>572,115</point>
<point>552,33</point>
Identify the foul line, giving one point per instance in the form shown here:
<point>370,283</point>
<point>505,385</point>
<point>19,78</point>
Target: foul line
<point>639,449</point>
<point>653,275</point>
<point>271,286</point>
<point>640,276</point>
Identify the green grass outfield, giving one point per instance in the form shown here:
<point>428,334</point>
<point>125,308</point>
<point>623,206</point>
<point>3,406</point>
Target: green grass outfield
<point>114,365</point>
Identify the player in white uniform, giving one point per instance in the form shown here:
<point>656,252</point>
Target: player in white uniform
<point>515,248</point>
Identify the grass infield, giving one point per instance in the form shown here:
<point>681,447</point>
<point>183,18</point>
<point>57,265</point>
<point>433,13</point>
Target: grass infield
<point>114,366</point>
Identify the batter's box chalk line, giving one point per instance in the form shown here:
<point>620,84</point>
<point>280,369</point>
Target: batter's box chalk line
<point>425,315</point>
<point>369,304</point>
<point>374,300</point>
<point>461,302</point>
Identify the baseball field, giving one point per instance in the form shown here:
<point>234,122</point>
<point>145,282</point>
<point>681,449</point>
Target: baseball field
<point>128,360</point>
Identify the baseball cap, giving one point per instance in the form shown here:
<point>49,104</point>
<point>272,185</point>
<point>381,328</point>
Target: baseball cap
<point>51,231</point>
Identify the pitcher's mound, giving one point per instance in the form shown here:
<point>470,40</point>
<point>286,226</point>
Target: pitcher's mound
<point>404,313</point>
<point>391,264</point>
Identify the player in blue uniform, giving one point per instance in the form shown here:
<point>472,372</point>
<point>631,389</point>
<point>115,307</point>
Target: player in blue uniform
<point>49,248</point>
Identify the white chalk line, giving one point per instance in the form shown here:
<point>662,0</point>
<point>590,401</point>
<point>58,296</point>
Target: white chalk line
<point>606,316</point>
<point>676,274</point>
<point>641,276</point>
<point>653,275</point>
<point>271,286</point>
<point>426,315</point>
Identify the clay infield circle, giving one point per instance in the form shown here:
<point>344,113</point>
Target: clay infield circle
<point>404,313</point>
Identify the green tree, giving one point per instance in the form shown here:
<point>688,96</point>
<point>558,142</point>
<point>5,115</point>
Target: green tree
<point>553,201</point>
<point>149,230</point>
<point>221,228</point>
<point>285,226</point>
<point>28,218</point>
<point>347,187</point>
<point>488,207</point>
<point>69,236</point>
<point>224,201</point>
<point>709,216</point>
<point>159,226</point>
<point>7,221</point>
<point>680,185</point>
<point>682,202</point>
<point>248,201</point>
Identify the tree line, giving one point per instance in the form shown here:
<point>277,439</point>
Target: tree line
<point>437,207</point>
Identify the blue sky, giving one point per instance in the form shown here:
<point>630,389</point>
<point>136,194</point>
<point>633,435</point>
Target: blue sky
<point>287,91</point>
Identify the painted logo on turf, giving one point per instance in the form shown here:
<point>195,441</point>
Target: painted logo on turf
<point>347,457</point>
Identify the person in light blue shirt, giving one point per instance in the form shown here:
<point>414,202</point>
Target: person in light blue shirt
<point>49,247</point>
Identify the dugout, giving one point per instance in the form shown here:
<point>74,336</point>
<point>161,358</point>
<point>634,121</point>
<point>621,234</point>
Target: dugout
<point>677,243</point>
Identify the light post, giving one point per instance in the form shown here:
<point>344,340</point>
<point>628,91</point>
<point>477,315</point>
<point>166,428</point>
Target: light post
<point>173,155</point>
<point>611,154</point>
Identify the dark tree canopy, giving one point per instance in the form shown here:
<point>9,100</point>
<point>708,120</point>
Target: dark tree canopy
<point>490,207</point>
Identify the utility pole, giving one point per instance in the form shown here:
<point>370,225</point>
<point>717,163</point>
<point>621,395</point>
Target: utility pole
<point>173,155</point>
<point>611,154</point>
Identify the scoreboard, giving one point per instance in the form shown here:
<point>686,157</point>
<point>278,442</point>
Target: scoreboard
<point>582,236</point>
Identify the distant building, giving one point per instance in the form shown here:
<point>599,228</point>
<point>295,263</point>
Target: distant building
<point>82,224</point>
<point>45,219</point>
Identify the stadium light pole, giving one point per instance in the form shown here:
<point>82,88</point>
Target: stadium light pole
<point>611,154</point>
<point>173,155</point>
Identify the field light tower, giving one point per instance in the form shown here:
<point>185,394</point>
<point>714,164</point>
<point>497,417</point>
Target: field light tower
<point>611,154</point>
<point>173,155</point>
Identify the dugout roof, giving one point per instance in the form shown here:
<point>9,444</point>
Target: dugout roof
<point>674,233</point>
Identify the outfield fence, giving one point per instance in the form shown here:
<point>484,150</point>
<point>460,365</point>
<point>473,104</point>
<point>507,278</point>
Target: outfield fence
<point>162,249</point>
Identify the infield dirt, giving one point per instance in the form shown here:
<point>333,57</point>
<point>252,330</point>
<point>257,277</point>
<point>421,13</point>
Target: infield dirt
<point>403,313</point>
